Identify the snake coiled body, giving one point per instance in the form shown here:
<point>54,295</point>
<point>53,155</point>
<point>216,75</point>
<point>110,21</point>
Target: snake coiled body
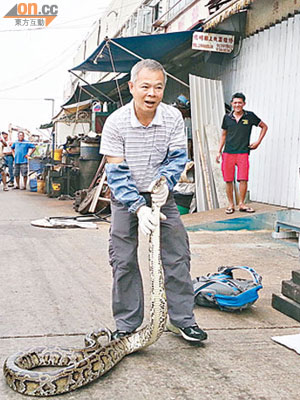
<point>81,366</point>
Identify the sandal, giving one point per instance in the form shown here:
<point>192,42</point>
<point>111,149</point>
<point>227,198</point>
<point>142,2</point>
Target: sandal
<point>229,210</point>
<point>247,210</point>
<point>5,189</point>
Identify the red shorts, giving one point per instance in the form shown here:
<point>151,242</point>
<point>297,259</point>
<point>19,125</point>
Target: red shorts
<point>229,161</point>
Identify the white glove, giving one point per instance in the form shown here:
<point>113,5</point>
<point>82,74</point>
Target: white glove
<point>160,195</point>
<point>147,221</point>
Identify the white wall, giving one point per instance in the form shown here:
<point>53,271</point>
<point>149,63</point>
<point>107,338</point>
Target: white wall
<point>62,130</point>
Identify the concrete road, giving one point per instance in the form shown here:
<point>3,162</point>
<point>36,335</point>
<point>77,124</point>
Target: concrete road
<point>56,284</point>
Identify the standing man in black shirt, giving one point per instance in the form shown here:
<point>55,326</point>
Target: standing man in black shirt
<point>236,131</point>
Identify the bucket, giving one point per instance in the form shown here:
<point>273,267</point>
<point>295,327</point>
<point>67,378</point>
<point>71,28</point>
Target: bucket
<point>89,150</point>
<point>183,199</point>
<point>182,210</point>
<point>58,154</point>
<point>40,186</point>
<point>56,187</point>
<point>33,185</point>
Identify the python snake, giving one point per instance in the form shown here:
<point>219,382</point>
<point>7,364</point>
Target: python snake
<point>81,366</point>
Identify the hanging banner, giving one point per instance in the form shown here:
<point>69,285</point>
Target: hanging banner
<point>213,42</point>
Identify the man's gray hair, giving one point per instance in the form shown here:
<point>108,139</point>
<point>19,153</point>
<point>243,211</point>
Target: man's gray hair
<point>152,65</point>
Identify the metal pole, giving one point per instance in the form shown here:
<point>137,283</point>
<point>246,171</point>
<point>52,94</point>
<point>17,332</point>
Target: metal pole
<point>141,58</point>
<point>53,133</point>
<point>113,65</point>
<point>97,90</point>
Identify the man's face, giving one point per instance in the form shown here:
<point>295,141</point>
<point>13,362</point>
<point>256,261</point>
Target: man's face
<point>237,105</point>
<point>147,90</point>
<point>5,136</point>
<point>21,136</point>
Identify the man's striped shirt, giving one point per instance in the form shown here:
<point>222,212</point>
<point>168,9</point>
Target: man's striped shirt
<point>143,148</point>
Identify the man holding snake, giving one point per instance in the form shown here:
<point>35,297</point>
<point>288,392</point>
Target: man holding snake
<point>143,141</point>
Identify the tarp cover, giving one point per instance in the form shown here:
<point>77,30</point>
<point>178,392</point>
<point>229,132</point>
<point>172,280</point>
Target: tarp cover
<point>157,47</point>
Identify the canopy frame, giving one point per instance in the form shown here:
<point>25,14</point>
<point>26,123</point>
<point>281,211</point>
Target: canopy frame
<point>89,84</point>
<point>141,58</point>
<point>114,69</point>
<point>106,45</point>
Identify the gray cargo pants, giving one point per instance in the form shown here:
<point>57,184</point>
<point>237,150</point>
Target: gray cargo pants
<point>127,294</point>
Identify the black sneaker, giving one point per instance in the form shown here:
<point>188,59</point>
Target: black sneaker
<point>193,333</point>
<point>119,334</point>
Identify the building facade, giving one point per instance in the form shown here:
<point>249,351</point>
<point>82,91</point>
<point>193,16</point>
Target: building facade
<point>263,65</point>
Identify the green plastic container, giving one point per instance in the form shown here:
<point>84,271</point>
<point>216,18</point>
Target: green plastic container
<point>182,210</point>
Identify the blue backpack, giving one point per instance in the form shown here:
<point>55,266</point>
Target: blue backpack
<point>221,290</point>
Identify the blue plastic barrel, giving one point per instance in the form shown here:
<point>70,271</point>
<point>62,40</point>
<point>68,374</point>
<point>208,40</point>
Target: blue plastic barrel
<point>33,185</point>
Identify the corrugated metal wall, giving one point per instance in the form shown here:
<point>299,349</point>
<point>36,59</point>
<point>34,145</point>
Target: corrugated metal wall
<point>267,70</point>
<point>207,108</point>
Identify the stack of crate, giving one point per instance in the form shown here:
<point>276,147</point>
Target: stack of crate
<point>289,301</point>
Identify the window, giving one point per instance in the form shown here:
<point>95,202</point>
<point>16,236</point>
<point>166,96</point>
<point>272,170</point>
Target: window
<point>175,6</point>
<point>157,10</point>
<point>144,20</point>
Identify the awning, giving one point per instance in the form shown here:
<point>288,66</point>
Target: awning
<point>225,12</point>
<point>75,107</point>
<point>46,126</point>
<point>94,91</point>
<point>120,54</point>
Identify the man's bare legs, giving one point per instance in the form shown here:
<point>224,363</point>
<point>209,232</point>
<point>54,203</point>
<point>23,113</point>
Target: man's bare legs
<point>3,175</point>
<point>25,181</point>
<point>243,192</point>
<point>18,181</point>
<point>229,193</point>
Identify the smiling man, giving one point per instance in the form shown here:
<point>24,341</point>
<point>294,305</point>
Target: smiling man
<point>143,141</point>
<point>236,132</point>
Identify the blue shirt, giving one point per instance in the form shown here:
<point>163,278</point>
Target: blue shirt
<point>21,150</point>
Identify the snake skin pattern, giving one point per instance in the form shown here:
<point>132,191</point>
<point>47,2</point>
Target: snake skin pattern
<point>81,366</point>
